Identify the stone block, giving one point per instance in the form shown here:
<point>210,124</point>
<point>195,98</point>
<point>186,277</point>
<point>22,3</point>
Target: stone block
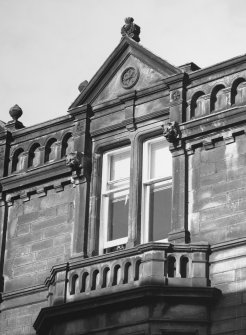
<point>60,259</point>
<point>238,194</point>
<point>232,287</point>
<point>216,212</point>
<point>50,253</point>
<point>228,265</point>
<point>29,217</point>
<point>238,173</point>
<point>211,236</point>
<point>48,212</point>
<point>45,244</point>
<point>209,202</point>
<point>226,186</point>
<point>25,239</point>
<point>222,277</point>
<point>227,253</point>
<point>20,282</point>
<point>237,230</point>
<point>24,259</point>
<point>63,239</point>
<point>207,169</point>
<point>48,223</point>
<point>229,325</point>
<point>23,229</point>
<point>62,209</point>
<point>241,274</point>
<point>228,220</point>
<point>57,230</point>
<point>25,304</point>
<point>17,251</point>
<point>214,155</point>
<point>29,268</point>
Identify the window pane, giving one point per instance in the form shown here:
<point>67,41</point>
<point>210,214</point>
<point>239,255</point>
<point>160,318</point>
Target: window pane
<point>120,166</point>
<point>160,160</point>
<point>160,212</point>
<point>118,216</point>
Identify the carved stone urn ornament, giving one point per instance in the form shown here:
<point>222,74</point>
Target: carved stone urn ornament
<point>171,132</point>
<point>15,112</point>
<point>130,29</point>
<point>129,77</point>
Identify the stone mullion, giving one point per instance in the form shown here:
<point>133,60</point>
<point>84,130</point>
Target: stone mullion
<point>4,154</point>
<point>81,218</point>
<point>179,224</point>
<point>207,103</point>
<point>10,166</point>
<point>95,197</point>
<point>227,92</point>
<point>3,231</point>
<point>81,179</point>
<point>25,165</point>
<point>58,150</point>
<point>135,188</point>
<point>42,154</point>
<point>177,104</point>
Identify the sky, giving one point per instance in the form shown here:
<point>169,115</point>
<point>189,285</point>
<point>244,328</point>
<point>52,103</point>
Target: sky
<point>48,47</point>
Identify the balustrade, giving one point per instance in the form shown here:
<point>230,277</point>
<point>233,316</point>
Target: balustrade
<point>149,264</point>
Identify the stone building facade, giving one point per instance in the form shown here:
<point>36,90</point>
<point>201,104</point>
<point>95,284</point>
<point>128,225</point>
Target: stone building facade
<point>128,214</point>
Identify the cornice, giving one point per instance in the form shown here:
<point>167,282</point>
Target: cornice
<point>23,292</point>
<point>151,116</point>
<point>42,127</point>
<point>38,175</point>
<point>228,244</point>
<point>217,67</point>
<point>137,295</point>
<point>213,123</point>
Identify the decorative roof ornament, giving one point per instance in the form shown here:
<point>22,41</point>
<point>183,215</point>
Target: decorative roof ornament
<point>15,112</point>
<point>83,85</point>
<point>130,29</point>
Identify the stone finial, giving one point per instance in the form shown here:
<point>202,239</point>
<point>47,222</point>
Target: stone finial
<point>15,112</point>
<point>83,85</point>
<point>130,29</point>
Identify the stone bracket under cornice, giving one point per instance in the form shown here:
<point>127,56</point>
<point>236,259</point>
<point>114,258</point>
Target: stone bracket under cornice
<point>210,142</point>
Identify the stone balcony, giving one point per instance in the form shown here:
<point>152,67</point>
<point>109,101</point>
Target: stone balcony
<point>152,264</point>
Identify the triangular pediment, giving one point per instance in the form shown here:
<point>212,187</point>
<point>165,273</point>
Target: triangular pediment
<point>129,67</point>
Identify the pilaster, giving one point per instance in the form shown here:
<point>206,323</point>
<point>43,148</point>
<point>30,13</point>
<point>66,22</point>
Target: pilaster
<point>177,104</point>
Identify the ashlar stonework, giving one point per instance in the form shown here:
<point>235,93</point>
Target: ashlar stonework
<point>128,214</point>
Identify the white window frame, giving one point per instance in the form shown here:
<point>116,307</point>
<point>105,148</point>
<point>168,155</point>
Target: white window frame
<point>164,181</point>
<point>105,193</point>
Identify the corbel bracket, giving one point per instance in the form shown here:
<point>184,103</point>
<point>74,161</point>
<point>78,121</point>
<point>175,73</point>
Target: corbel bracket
<point>171,132</point>
<point>80,165</point>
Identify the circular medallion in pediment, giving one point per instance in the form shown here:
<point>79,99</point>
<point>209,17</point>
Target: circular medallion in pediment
<point>129,77</point>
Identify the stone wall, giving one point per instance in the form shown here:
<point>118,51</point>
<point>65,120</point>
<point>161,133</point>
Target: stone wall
<point>39,236</point>
<point>217,191</point>
<point>228,273</point>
